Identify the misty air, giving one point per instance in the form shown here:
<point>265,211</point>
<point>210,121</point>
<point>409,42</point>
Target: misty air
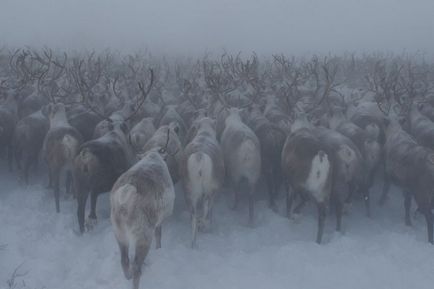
<point>216,144</point>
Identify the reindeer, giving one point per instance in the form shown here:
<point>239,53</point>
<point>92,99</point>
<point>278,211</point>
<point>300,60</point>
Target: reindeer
<point>60,145</point>
<point>308,170</point>
<point>203,173</point>
<point>271,138</point>
<point>242,156</point>
<point>100,162</point>
<point>420,126</point>
<point>28,140</point>
<point>411,166</point>
<point>349,171</point>
<point>141,199</point>
<point>8,119</point>
<point>371,152</point>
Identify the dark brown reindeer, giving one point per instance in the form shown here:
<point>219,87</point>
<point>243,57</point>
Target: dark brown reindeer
<point>307,170</point>
<point>101,161</point>
<point>411,166</point>
<point>29,137</point>
<point>271,138</point>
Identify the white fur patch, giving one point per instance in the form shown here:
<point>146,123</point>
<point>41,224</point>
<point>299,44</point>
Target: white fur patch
<point>317,177</point>
<point>123,194</point>
<point>248,161</point>
<point>199,166</point>
<point>70,144</point>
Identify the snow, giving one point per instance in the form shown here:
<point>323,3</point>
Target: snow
<point>277,253</point>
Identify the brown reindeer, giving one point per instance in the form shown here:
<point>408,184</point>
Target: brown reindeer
<point>411,166</point>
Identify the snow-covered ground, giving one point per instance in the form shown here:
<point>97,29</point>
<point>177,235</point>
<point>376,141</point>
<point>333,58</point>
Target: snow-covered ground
<point>277,253</point>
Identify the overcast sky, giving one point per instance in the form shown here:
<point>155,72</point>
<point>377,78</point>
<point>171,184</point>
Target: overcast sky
<point>196,26</point>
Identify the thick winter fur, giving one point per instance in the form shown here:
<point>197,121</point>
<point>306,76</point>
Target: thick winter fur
<point>368,116</point>
<point>174,148</point>
<point>29,137</point>
<point>8,119</point>
<point>141,199</point>
<point>97,166</point>
<point>203,172</point>
<point>170,115</point>
<point>141,133</point>
<point>273,113</point>
<point>84,121</point>
<point>60,146</point>
<point>370,149</point>
<point>271,138</point>
<point>242,156</point>
<point>307,170</point>
<point>411,166</point>
<point>349,172</point>
<point>117,118</point>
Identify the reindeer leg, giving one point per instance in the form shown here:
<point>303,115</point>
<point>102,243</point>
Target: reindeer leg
<point>10,157</point>
<point>251,207</point>
<point>68,182</point>
<point>321,221</point>
<point>429,223</point>
<point>50,178</point>
<point>18,157</point>
<point>27,164</point>
<point>158,237</point>
<point>82,194</point>
<point>91,221</point>
<point>290,196</point>
<point>271,194</point>
<point>386,186</point>
<point>407,206</point>
<point>142,249</point>
<point>125,260</point>
<point>339,210</point>
<point>302,203</point>
<point>56,179</point>
<point>193,226</point>
<point>236,198</point>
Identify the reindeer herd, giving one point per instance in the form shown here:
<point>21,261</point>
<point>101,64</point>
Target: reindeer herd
<point>322,130</point>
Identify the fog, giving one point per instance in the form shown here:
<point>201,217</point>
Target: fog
<point>195,26</point>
